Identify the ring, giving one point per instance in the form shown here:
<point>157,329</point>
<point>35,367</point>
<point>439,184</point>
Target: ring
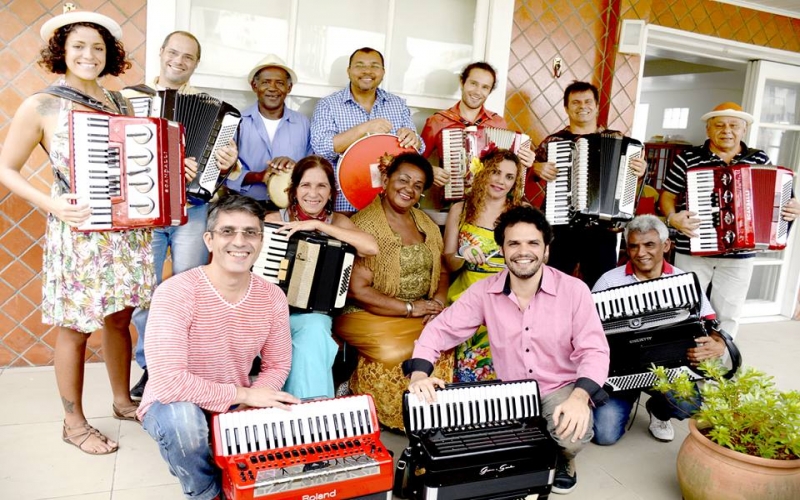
<point>474,252</point>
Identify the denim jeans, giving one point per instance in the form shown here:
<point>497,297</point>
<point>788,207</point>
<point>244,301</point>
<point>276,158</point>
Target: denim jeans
<point>188,251</point>
<point>611,418</point>
<point>181,431</point>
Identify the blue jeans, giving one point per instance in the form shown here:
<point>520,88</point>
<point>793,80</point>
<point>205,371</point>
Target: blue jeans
<point>188,251</point>
<point>611,418</point>
<point>181,431</point>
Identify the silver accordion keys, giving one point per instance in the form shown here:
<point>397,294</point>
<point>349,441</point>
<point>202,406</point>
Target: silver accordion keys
<point>477,440</point>
<point>312,268</point>
<point>594,181</point>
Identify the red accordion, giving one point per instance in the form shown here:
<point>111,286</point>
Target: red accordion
<point>327,448</point>
<point>129,169</point>
<point>739,207</point>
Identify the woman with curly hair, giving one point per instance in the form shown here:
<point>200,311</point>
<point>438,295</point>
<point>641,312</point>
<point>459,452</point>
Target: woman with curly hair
<point>91,280</point>
<point>469,247</point>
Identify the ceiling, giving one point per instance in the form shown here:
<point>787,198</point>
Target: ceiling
<point>790,8</point>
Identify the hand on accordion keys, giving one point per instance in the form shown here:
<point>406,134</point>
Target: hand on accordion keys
<point>264,397</point>
<point>227,156</point>
<point>791,210</point>
<point>424,387</point>
<point>440,177</point>
<point>638,165</point>
<point>685,222</point>
<point>71,209</point>
<point>289,228</point>
<point>545,170</point>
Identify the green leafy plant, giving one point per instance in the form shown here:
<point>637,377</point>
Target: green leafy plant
<point>746,413</point>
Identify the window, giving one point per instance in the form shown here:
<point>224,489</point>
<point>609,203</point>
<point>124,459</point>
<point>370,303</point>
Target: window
<point>426,43</point>
<point>676,118</point>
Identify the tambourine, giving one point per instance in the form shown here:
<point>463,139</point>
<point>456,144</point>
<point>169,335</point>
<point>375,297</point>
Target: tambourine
<point>359,175</point>
<point>278,186</point>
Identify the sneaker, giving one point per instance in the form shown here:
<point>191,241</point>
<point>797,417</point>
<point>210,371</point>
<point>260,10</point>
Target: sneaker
<point>138,389</point>
<point>566,477</point>
<point>661,429</point>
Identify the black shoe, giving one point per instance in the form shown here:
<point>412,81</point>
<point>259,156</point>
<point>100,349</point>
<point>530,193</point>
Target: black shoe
<point>138,389</point>
<point>566,477</point>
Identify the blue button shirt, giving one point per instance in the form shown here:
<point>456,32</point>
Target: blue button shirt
<point>340,112</point>
<point>292,139</point>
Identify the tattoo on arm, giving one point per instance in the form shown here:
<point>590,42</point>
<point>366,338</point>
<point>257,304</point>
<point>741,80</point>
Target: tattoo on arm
<point>47,107</point>
<point>69,406</point>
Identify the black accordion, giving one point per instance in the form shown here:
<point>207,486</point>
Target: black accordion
<point>209,124</point>
<point>594,181</point>
<point>484,440</point>
<point>312,268</point>
<point>648,323</point>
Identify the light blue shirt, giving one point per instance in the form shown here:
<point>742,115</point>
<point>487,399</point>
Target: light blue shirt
<point>340,112</point>
<point>255,149</point>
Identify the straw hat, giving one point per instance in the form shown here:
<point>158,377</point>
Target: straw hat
<point>71,16</point>
<point>728,109</point>
<point>271,60</point>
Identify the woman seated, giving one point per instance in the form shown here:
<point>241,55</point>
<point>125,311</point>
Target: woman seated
<point>311,200</point>
<point>396,292</point>
<point>469,247</point>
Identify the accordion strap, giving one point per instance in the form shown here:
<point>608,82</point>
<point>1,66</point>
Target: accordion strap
<point>144,89</point>
<point>402,474</point>
<point>736,356</point>
<point>75,95</point>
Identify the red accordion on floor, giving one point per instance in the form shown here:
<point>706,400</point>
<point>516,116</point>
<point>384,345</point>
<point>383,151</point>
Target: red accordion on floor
<point>739,207</point>
<point>129,169</point>
<point>327,448</point>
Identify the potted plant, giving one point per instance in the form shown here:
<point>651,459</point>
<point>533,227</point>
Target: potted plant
<point>744,441</point>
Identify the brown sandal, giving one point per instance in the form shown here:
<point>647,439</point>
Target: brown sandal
<point>85,431</point>
<point>128,413</point>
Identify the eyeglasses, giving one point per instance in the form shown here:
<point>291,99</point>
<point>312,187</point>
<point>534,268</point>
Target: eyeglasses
<point>249,234</point>
<point>362,67</point>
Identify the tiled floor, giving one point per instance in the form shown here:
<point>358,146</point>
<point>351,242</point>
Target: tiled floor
<point>35,464</point>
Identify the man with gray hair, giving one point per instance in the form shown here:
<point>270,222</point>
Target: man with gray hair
<point>730,274</point>
<point>647,240</point>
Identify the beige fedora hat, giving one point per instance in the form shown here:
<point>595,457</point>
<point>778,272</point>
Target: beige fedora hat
<point>271,60</point>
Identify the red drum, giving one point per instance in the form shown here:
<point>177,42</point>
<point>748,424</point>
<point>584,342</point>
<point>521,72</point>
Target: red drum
<point>358,174</point>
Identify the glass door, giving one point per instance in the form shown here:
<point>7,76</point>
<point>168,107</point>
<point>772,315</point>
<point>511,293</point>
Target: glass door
<point>772,95</point>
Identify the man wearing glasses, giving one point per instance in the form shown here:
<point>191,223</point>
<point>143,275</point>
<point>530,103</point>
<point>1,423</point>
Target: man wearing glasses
<point>206,325</point>
<point>360,109</point>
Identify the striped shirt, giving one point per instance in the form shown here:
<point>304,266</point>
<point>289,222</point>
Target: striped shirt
<point>702,156</point>
<point>200,347</point>
<point>340,112</point>
<point>624,275</point>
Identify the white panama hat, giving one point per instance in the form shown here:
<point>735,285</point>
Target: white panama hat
<point>269,61</point>
<point>80,16</point>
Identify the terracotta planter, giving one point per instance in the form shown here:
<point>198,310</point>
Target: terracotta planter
<point>707,471</point>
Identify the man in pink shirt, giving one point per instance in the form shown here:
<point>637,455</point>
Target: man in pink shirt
<point>546,328</point>
<point>206,325</point>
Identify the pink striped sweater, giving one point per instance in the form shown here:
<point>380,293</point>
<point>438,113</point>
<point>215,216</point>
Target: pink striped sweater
<point>200,347</point>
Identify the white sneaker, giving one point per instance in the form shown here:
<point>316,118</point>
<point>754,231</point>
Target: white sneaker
<point>661,429</point>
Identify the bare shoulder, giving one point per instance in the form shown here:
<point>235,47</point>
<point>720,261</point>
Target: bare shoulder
<point>341,220</point>
<point>42,105</point>
<point>273,217</point>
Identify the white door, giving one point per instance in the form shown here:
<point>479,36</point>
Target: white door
<point>772,95</point>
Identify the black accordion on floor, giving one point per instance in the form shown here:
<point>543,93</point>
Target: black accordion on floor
<point>484,440</point>
<point>312,268</point>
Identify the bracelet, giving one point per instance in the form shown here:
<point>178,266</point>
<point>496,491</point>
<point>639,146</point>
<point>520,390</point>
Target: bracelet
<point>462,249</point>
<point>409,308</point>
<point>669,217</point>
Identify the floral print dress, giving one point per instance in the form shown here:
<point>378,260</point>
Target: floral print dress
<point>89,275</point>
<point>473,357</point>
